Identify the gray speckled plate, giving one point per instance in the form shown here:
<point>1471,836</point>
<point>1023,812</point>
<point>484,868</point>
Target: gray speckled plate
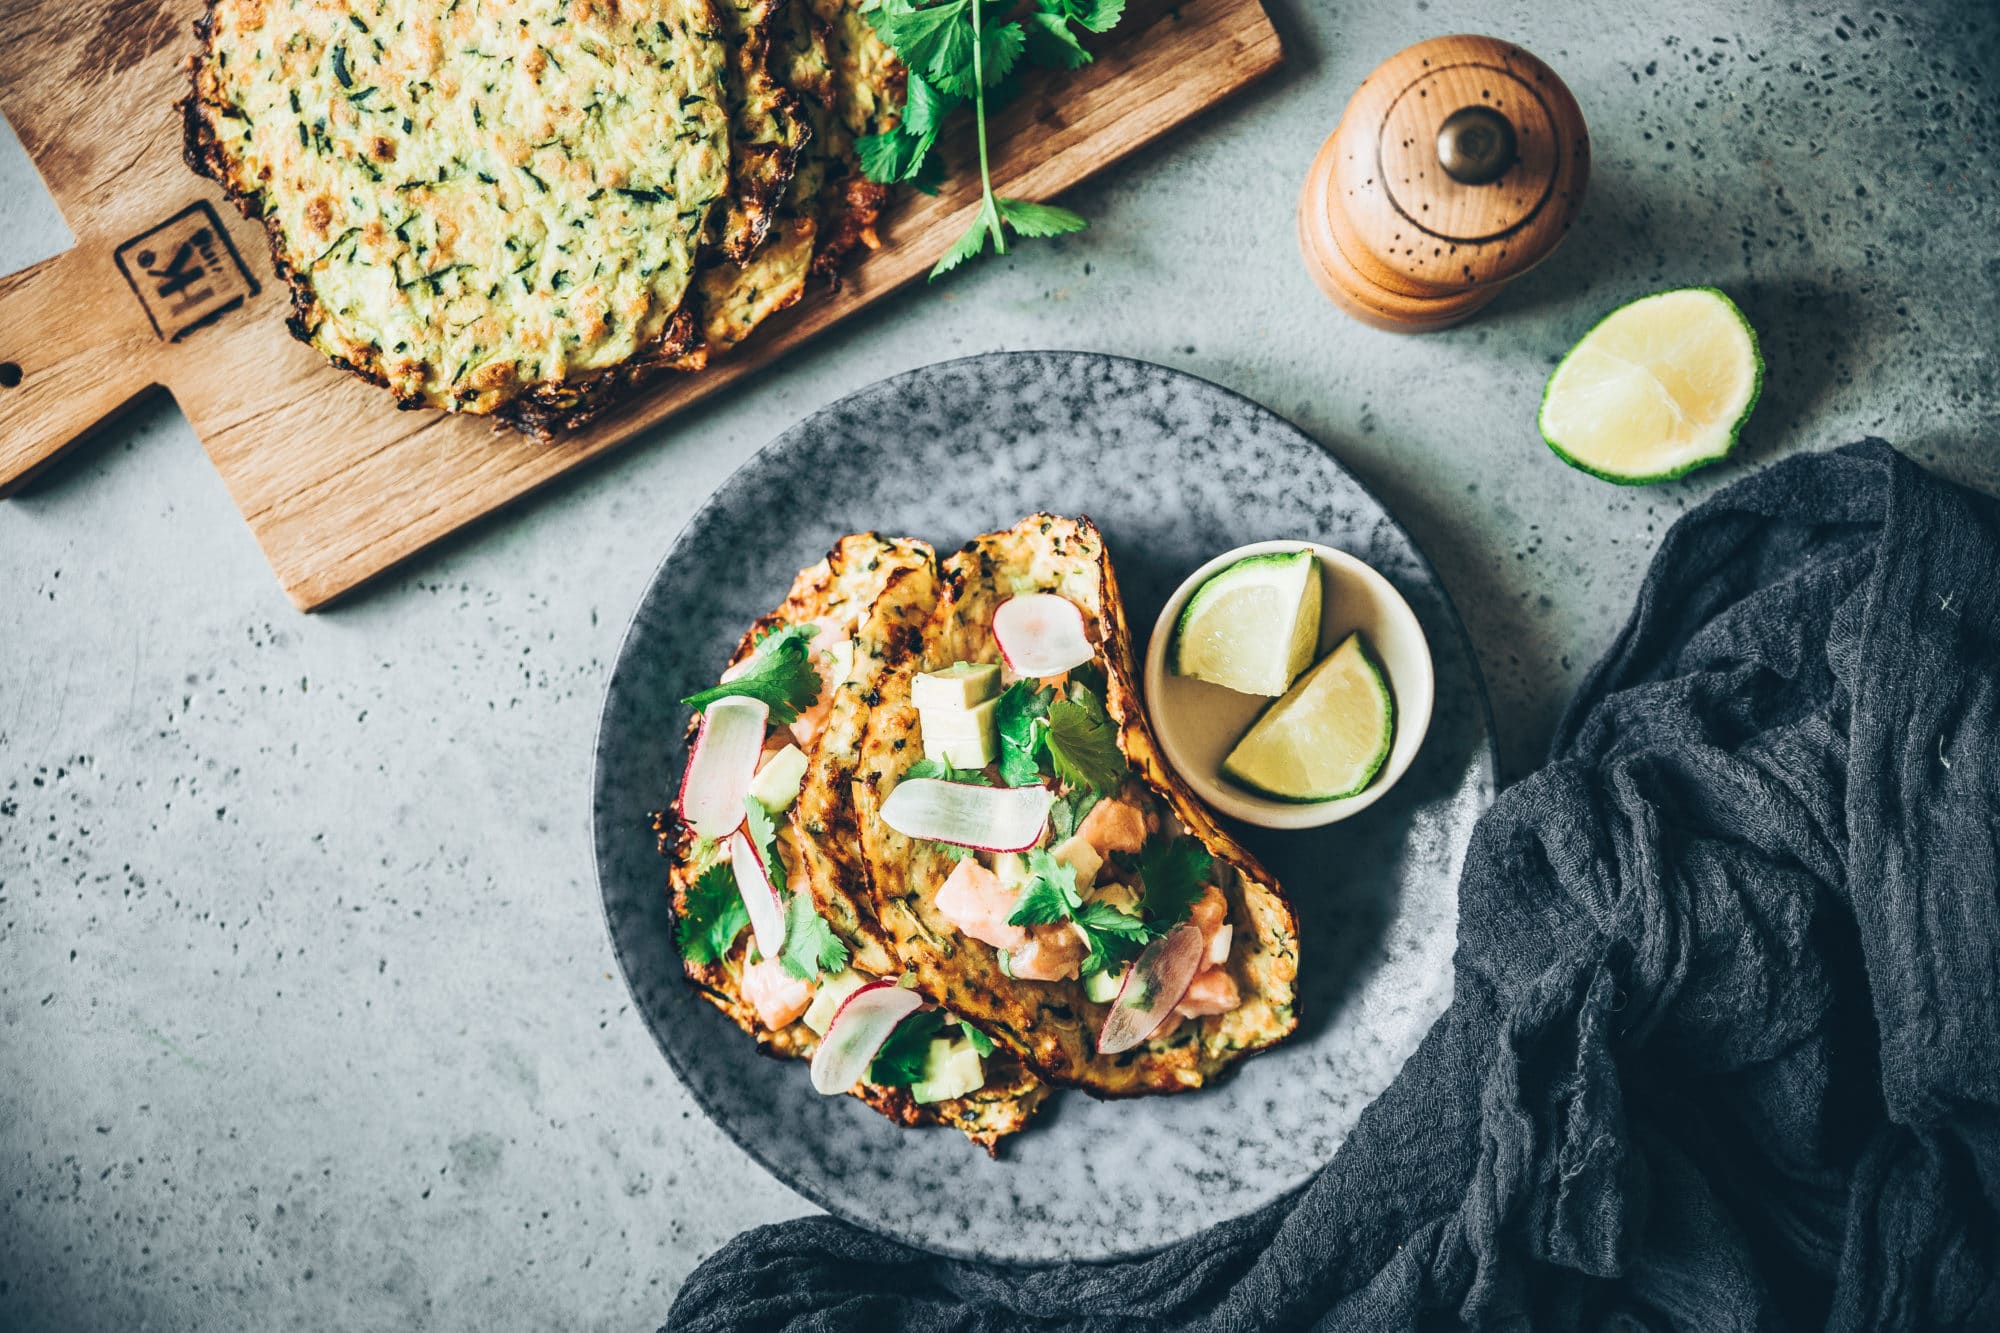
<point>1174,469</point>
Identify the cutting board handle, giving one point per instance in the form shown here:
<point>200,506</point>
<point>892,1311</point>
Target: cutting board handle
<point>76,345</point>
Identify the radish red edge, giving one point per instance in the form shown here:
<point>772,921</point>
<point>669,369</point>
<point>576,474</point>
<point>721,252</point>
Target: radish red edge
<point>1167,966</point>
<point>857,1031</point>
<point>759,894</point>
<point>721,765</point>
<point>1041,634</point>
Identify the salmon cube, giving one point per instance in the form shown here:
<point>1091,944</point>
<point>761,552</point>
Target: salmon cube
<point>977,904</point>
<point>779,998</point>
<point>1113,826</point>
<point>1210,912</point>
<point>1053,954</point>
<point>1213,992</point>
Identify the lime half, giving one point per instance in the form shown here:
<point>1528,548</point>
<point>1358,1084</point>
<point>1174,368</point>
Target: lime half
<point>1327,738</point>
<point>1660,387</point>
<point>1252,627</point>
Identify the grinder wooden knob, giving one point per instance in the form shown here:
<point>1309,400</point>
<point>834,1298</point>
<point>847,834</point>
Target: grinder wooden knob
<point>1457,166</point>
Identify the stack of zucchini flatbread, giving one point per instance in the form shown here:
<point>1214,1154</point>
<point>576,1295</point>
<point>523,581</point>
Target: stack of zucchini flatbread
<point>525,208</point>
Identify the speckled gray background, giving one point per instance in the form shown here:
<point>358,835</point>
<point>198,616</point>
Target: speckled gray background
<point>307,1014</point>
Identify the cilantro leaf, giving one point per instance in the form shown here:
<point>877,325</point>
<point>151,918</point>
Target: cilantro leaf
<point>1034,220</point>
<point>1173,871</point>
<point>810,946</point>
<point>980,1041</point>
<point>712,918</point>
<point>969,50</point>
<point>1067,814</point>
<point>999,50</point>
<point>1050,895</point>
<point>1051,43</point>
<point>893,155</point>
<point>950,851</point>
<point>1113,936</point>
<point>763,832</point>
<point>971,244</point>
<point>781,675</point>
<point>921,35</point>
<point>1020,718</point>
<point>1083,745</point>
<point>924,107</point>
<point>904,1055</point>
<point>943,772</point>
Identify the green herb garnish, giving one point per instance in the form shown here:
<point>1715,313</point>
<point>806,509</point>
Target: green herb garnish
<point>943,772</point>
<point>810,946</point>
<point>1020,719</point>
<point>1173,872</point>
<point>1083,743</point>
<point>780,675</point>
<point>958,51</point>
<point>906,1053</point>
<point>1051,897</point>
<point>712,919</point>
<point>763,832</point>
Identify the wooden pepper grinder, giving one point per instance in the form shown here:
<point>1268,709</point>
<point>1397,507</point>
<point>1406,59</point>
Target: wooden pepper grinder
<point>1457,166</point>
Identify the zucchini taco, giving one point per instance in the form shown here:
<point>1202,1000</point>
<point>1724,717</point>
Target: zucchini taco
<point>753,836</point>
<point>1031,860</point>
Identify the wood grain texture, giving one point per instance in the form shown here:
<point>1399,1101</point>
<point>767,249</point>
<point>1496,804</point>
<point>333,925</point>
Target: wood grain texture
<point>1392,238</point>
<point>168,285</point>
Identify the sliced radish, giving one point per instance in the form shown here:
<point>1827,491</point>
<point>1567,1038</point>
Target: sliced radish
<point>1218,944</point>
<point>989,819</point>
<point>722,765</point>
<point>1158,981</point>
<point>1041,634</point>
<point>859,1027</point>
<point>760,895</point>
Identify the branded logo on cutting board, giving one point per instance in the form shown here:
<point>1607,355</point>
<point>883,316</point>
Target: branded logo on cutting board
<point>185,272</point>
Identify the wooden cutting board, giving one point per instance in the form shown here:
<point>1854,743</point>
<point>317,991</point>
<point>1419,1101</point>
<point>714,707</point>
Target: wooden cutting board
<point>169,285</point>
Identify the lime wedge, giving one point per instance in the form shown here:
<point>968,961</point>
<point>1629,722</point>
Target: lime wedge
<point>1327,738</point>
<point>1660,387</point>
<point>1252,627</point>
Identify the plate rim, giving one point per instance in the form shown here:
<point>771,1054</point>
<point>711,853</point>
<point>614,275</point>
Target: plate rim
<point>809,1191</point>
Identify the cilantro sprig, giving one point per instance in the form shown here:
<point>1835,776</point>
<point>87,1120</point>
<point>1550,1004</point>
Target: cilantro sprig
<point>904,1055</point>
<point>958,51</point>
<point>1020,717</point>
<point>1051,897</point>
<point>943,772</point>
<point>811,947</point>
<point>712,918</point>
<point>1075,733</point>
<point>1083,743</point>
<point>1173,873</point>
<point>781,674</point>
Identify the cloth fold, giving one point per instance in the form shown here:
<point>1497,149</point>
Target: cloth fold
<point>1724,1046</point>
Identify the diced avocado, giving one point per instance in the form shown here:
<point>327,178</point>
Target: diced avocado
<point>777,783</point>
<point>1083,858</point>
<point>957,688</point>
<point>951,1069</point>
<point>1125,897</point>
<point>1098,987</point>
<point>833,990</point>
<point>963,738</point>
<point>1011,869</point>
<point>1006,962</point>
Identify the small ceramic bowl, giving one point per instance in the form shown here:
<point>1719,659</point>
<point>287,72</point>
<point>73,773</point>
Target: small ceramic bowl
<point>1197,723</point>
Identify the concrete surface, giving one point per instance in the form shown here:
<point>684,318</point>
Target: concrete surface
<point>307,1016</point>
